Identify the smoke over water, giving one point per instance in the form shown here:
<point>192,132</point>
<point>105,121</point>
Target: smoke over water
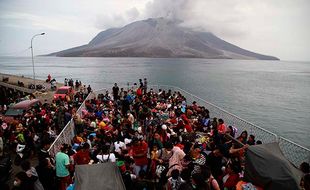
<point>169,9</point>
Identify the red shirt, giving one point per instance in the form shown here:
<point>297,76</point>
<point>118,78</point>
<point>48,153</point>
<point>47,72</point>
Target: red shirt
<point>232,181</point>
<point>221,128</point>
<point>188,128</point>
<point>82,157</point>
<point>139,92</point>
<point>140,149</point>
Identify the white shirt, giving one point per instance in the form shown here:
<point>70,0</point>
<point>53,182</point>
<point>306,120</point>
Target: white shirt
<point>118,145</point>
<point>103,158</point>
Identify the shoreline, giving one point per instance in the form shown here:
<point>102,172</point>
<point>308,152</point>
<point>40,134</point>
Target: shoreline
<point>46,96</point>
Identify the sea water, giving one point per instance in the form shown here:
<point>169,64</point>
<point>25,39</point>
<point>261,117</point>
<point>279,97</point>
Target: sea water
<point>272,94</point>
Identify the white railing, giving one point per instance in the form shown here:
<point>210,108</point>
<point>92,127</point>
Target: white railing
<point>68,132</point>
<point>293,152</point>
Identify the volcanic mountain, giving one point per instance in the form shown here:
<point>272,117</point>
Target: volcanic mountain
<point>159,38</point>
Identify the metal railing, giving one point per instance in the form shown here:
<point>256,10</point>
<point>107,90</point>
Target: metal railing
<point>64,137</point>
<point>68,132</point>
<point>293,152</point>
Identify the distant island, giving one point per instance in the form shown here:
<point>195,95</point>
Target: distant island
<point>162,38</point>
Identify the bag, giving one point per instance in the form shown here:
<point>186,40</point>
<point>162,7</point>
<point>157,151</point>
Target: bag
<point>104,161</point>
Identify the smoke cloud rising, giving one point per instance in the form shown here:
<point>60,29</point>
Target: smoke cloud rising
<point>275,27</point>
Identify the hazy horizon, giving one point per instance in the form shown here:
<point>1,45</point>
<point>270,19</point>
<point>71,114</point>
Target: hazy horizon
<point>277,28</point>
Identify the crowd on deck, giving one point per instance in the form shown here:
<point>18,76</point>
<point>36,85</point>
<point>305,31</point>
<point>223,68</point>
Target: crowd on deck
<point>158,140</point>
<point>32,132</point>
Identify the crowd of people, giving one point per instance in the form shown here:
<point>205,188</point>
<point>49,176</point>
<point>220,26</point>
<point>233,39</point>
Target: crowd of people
<point>31,134</point>
<point>158,140</point>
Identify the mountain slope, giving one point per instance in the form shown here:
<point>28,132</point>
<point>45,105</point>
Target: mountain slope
<point>159,38</point>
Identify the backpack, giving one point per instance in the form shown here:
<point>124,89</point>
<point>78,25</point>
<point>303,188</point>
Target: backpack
<point>104,161</point>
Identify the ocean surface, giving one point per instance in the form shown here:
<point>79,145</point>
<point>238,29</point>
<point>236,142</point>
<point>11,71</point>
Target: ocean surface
<point>272,94</point>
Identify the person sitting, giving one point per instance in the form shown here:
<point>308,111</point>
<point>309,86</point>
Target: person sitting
<point>243,137</point>
<point>221,127</point>
<point>32,173</point>
<point>23,182</point>
<point>83,155</point>
<point>306,182</point>
<point>231,178</point>
<point>175,181</point>
<point>251,140</point>
<point>105,155</point>
<point>305,168</point>
<point>198,183</point>
<point>198,158</point>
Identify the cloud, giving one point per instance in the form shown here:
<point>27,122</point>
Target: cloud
<point>105,21</point>
<point>276,27</point>
<point>269,26</point>
<point>32,21</point>
<point>118,19</point>
<point>220,17</point>
<point>132,13</point>
<point>176,10</point>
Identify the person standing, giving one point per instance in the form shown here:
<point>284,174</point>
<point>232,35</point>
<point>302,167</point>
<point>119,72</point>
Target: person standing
<point>141,83</point>
<point>115,90</point>
<point>47,174</point>
<point>139,151</point>
<point>83,156</point>
<point>49,77</point>
<point>32,173</point>
<point>88,89</point>
<point>66,82</point>
<point>145,86</point>
<point>23,182</point>
<point>62,167</point>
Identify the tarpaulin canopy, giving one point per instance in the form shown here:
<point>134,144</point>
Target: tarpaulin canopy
<point>105,176</point>
<point>266,166</point>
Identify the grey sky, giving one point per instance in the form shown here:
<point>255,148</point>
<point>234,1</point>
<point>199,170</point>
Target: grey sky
<point>275,27</point>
